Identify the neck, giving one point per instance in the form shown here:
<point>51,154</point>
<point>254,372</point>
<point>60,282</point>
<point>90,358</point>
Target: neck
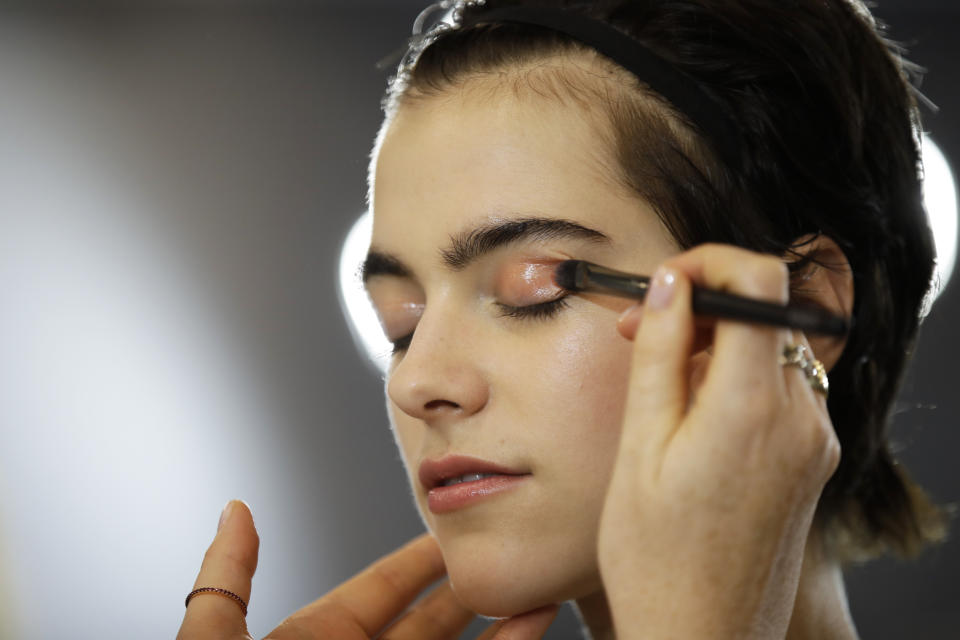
<point>820,610</point>
<point>595,618</point>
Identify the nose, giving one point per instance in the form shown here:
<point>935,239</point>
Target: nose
<point>439,377</point>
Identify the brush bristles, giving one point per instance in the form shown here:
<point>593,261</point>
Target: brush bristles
<point>570,274</point>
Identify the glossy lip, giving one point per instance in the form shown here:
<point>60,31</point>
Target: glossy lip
<point>442,500</point>
<point>433,472</point>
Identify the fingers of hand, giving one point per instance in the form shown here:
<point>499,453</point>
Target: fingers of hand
<point>528,626</point>
<point>801,385</point>
<point>658,380</point>
<point>743,376</point>
<point>377,595</point>
<point>745,354</point>
<point>439,616</point>
<point>822,441</point>
<point>229,563</point>
<point>735,270</point>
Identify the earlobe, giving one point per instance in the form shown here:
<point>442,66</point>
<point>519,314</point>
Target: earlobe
<point>827,282</point>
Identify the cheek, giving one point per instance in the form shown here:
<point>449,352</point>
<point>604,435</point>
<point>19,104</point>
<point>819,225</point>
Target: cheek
<point>407,433</point>
<point>586,373</point>
<point>571,406</point>
<point>588,396</point>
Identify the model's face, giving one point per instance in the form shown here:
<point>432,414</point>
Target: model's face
<point>484,375</point>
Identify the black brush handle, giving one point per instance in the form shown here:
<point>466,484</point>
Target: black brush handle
<point>709,302</point>
<point>578,275</point>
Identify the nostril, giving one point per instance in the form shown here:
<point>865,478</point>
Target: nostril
<point>440,404</point>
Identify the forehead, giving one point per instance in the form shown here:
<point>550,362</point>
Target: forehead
<point>471,155</point>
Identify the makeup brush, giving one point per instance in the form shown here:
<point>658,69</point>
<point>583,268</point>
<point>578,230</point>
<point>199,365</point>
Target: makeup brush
<point>578,275</point>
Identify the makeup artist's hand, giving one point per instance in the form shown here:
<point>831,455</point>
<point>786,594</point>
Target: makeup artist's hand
<point>713,493</point>
<point>359,609</point>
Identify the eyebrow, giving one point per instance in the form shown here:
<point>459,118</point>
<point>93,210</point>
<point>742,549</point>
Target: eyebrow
<point>468,246</point>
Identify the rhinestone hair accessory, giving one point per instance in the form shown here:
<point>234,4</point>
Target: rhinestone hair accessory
<point>451,18</point>
<point>688,97</point>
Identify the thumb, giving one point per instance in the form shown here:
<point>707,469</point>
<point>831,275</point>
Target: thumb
<point>526,626</point>
<point>658,389</point>
<point>228,565</point>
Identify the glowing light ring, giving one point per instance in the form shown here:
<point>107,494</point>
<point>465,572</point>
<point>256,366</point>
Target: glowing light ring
<point>940,198</point>
<point>362,319</point>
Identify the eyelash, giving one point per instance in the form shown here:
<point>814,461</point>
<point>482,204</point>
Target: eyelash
<point>539,311</point>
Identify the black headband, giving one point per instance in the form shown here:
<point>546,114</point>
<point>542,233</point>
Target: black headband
<point>681,90</point>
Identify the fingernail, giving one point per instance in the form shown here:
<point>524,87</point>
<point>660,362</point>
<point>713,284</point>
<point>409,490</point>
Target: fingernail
<point>225,515</point>
<point>662,288</point>
<point>629,311</point>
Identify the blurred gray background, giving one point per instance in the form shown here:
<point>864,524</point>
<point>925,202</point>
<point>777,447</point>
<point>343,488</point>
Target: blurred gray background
<point>176,179</point>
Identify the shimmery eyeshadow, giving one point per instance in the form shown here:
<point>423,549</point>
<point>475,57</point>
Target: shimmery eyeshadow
<point>527,282</point>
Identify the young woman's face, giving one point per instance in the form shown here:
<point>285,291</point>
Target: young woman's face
<point>488,373</point>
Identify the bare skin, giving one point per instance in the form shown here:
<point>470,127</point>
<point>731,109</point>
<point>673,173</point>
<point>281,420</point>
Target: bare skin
<point>675,466</point>
<point>820,610</point>
<point>359,609</point>
<point>733,570</point>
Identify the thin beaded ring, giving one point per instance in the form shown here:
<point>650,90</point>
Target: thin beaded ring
<point>220,592</point>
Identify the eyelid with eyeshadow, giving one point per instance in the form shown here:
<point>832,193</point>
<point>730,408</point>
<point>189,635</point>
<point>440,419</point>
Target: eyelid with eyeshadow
<point>527,282</point>
<point>525,290</point>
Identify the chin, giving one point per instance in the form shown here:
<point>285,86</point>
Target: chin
<point>503,580</point>
<point>487,593</point>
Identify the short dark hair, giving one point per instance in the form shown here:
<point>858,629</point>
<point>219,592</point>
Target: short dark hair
<point>830,146</point>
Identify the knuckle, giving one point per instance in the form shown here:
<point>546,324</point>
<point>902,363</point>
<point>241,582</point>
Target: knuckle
<point>753,274</point>
<point>245,562</point>
<point>391,579</point>
<point>814,443</point>
<point>834,455</point>
<point>819,441</point>
<point>329,608</point>
<point>714,247</point>
<point>768,279</point>
<point>242,560</point>
<point>823,430</point>
<point>831,446</point>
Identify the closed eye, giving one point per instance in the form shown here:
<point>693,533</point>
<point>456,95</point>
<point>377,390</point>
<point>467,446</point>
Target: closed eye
<point>401,344</point>
<point>539,311</point>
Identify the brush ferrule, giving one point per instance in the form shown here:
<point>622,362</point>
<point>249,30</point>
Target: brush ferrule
<point>603,279</point>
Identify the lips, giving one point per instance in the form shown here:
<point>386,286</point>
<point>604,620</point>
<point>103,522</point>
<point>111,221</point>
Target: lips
<point>433,473</point>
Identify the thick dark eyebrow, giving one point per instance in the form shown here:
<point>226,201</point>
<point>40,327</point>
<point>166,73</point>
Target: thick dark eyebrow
<point>468,246</point>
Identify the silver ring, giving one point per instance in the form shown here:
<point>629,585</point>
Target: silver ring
<point>798,355</point>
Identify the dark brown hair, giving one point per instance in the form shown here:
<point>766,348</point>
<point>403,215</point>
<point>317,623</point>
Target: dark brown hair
<point>830,145</point>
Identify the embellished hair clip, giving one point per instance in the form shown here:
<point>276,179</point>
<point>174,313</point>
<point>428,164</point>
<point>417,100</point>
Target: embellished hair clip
<point>450,18</point>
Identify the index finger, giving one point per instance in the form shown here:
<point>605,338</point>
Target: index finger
<point>744,353</point>
<point>375,596</point>
<point>228,565</point>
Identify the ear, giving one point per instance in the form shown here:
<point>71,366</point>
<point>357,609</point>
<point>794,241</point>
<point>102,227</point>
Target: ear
<point>827,282</point>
